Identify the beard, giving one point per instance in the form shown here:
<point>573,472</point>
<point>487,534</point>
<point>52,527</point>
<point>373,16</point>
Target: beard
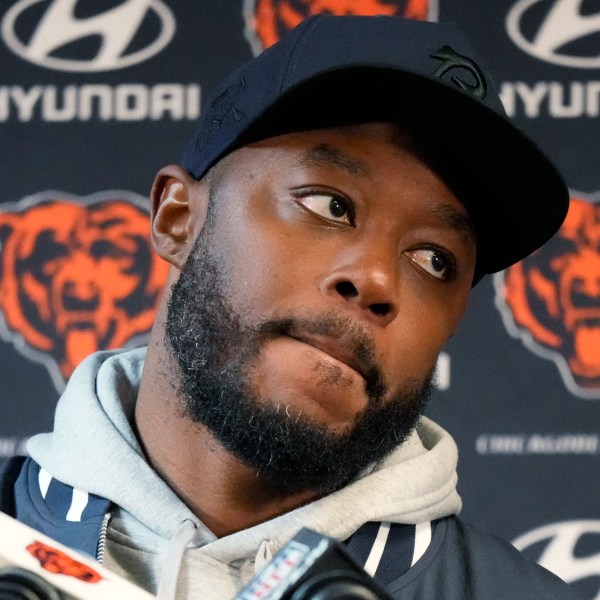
<point>215,351</point>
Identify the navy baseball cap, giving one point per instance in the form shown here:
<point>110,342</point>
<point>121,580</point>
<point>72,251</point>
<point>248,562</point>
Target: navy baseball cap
<point>334,71</point>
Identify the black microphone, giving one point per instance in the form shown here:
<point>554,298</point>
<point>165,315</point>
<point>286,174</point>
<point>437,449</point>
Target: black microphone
<point>17,583</point>
<point>312,566</point>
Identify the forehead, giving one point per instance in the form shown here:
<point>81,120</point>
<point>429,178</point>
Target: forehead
<point>350,149</point>
<point>357,138</point>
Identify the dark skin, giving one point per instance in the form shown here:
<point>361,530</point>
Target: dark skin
<point>350,220</point>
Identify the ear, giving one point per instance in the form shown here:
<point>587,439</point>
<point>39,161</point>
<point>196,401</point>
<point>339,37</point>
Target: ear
<point>179,209</point>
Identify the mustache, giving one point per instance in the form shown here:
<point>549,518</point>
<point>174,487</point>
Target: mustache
<point>343,330</point>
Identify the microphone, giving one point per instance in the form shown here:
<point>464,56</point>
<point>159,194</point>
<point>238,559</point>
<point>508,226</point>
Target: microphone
<point>34,566</point>
<point>312,566</point>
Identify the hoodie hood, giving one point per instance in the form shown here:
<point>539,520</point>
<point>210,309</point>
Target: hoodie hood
<point>416,483</point>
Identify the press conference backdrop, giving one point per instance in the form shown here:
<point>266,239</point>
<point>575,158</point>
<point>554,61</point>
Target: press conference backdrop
<point>97,95</point>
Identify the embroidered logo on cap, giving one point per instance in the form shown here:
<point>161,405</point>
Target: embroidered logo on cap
<point>224,111</point>
<point>453,62</point>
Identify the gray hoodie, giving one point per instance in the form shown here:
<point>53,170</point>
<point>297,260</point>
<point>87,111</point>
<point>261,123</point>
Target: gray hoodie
<point>153,537</point>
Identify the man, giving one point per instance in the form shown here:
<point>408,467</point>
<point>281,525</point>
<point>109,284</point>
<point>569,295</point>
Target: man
<point>344,192</point>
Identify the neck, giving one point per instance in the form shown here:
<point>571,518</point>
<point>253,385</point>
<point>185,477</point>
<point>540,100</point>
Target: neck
<point>225,494</point>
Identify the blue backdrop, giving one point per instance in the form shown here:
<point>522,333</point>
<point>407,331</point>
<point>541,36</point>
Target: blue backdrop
<point>96,96</point>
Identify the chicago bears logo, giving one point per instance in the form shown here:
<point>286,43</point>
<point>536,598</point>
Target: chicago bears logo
<point>78,275</point>
<point>56,561</point>
<point>268,20</point>
<point>551,300</point>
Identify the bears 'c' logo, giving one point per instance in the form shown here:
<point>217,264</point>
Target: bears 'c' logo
<point>551,300</point>
<point>56,561</point>
<point>268,20</point>
<point>77,275</point>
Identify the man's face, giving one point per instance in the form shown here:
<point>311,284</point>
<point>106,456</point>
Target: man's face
<point>308,318</point>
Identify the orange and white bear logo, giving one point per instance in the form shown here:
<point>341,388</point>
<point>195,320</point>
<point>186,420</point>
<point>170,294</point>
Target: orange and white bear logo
<point>268,20</point>
<point>551,300</point>
<point>77,275</point>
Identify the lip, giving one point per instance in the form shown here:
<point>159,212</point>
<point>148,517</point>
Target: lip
<point>336,349</point>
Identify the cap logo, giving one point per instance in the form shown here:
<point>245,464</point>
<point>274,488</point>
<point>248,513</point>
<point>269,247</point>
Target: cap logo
<point>224,111</point>
<point>453,61</point>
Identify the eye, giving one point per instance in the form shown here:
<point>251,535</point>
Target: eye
<point>435,261</point>
<point>327,205</point>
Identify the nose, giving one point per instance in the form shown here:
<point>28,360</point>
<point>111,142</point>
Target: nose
<point>368,284</point>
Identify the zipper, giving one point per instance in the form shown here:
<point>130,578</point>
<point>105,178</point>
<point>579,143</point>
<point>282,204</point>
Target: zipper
<point>102,540</point>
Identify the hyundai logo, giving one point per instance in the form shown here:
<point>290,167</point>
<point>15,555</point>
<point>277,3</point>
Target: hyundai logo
<point>550,35</point>
<point>58,26</point>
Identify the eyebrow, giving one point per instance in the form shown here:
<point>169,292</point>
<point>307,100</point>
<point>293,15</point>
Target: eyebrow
<point>325,155</point>
<point>457,220</point>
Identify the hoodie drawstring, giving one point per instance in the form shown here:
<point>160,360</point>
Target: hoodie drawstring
<point>185,534</point>
<point>264,555</point>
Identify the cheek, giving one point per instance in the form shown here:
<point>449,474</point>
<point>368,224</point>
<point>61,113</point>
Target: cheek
<point>265,270</point>
<point>420,332</point>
